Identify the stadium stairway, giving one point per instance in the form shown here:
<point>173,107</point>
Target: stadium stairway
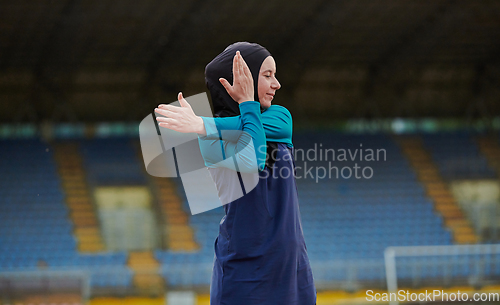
<point>444,202</point>
<point>78,199</point>
<point>178,235</point>
<point>490,148</point>
<point>146,272</point>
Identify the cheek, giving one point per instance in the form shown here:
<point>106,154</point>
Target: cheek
<point>263,86</point>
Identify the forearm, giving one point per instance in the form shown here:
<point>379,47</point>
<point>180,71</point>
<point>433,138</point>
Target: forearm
<point>276,120</point>
<point>241,138</point>
<point>252,124</point>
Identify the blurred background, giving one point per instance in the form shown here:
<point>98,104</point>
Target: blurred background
<point>81,221</point>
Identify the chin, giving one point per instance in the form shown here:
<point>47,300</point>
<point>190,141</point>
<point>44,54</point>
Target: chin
<point>265,104</point>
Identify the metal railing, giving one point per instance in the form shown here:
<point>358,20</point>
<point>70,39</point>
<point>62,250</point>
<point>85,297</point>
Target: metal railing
<point>412,267</point>
<point>483,262</point>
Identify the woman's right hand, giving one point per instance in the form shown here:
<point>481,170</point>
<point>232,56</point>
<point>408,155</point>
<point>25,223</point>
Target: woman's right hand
<point>242,89</point>
<point>181,119</point>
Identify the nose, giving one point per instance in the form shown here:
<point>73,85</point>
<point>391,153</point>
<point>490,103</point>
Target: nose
<point>276,84</point>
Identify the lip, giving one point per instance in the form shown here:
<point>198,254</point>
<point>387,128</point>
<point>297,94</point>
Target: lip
<point>271,94</point>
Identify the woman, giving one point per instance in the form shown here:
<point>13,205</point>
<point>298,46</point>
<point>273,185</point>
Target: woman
<point>260,253</point>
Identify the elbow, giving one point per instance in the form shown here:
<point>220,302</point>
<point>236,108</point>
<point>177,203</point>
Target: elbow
<point>261,155</point>
<point>250,164</point>
<point>252,158</point>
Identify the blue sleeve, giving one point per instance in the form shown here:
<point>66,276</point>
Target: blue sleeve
<point>277,122</point>
<point>242,138</point>
<point>213,125</point>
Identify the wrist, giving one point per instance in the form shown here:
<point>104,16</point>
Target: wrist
<point>200,127</point>
<point>247,99</point>
<point>249,106</point>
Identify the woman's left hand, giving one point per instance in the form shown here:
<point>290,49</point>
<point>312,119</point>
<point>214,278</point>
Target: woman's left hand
<point>181,119</point>
<point>242,88</point>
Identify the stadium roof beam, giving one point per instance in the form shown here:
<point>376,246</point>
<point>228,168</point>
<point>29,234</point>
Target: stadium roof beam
<point>51,59</point>
<point>301,47</point>
<point>166,47</point>
<point>405,52</point>
<point>418,41</point>
<point>478,104</point>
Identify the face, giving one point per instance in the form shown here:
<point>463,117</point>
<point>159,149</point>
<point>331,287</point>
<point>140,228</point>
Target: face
<point>268,83</point>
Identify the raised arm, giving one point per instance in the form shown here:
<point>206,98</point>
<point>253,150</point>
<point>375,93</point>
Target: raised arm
<point>247,148</point>
<point>276,120</point>
<point>245,141</point>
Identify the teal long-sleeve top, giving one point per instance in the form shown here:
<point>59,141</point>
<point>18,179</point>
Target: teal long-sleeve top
<point>244,137</point>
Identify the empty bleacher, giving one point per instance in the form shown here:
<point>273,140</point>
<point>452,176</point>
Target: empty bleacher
<point>348,222</point>
<point>458,156</point>
<point>463,160</point>
<point>357,218</point>
<point>35,230</point>
<point>111,161</point>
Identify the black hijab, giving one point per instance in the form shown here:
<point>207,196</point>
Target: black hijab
<point>222,66</point>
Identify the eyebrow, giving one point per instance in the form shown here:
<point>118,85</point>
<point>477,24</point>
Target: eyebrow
<point>269,70</point>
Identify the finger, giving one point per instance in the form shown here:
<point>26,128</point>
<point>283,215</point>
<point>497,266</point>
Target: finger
<point>182,101</point>
<point>166,112</point>
<point>171,108</point>
<point>240,66</point>
<point>171,126</point>
<point>164,119</point>
<point>236,68</point>
<point>226,84</point>
<point>168,106</point>
<point>160,111</point>
<point>167,125</point>
<point>167,122</point>
<point>245,68</point>
<point>241,63</point>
